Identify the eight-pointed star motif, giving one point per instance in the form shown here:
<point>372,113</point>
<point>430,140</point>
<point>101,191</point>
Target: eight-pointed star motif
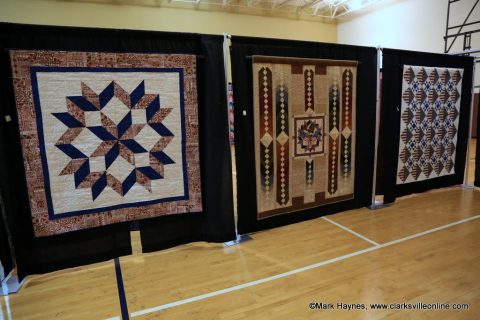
<point>117,137</point>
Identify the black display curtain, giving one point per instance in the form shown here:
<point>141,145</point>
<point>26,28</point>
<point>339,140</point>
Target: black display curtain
<point>393,62</point>
<point>216,222</point>
<point>241,51</point>
<point>5,253</point>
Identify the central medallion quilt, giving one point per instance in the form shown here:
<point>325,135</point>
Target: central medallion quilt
<point>304,121</point>
<point>107,137</point>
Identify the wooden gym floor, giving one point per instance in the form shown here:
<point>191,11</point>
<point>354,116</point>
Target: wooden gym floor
<point>422,249</point>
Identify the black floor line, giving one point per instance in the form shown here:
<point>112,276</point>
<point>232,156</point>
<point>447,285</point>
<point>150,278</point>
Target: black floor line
<point>121,290</point>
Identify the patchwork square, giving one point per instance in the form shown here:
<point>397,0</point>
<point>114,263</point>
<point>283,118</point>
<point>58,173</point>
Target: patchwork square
<point>97,164</point>
<point>105,144</point>
<point>139,116</point>
<point>93,118</point>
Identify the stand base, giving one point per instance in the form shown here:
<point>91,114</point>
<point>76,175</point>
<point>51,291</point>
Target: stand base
<point>11,284</point>
<point>377,205</point>
<point>240,239</point>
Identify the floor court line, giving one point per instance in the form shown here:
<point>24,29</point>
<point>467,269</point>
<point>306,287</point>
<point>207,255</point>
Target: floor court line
<point>376,244</point>
<point>416,235</point>
<point>7,307</point>
<point>248,284</point>
<point>121,290</point>
<point>295,271</point>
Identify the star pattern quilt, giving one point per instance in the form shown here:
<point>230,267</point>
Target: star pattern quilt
<point>430,112</point>
<point>107,137</point>
<point>304,121</point>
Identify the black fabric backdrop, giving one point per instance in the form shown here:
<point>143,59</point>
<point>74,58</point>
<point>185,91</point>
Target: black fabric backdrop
<point>393,62</point>
<point>216,222</point>
<point>242,50</point>
<point>5,253</point>
<point>39,255</point>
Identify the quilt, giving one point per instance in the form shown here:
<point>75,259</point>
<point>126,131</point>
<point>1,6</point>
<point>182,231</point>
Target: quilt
<point>106,137</point>
<point>430,110</point>
<point>304,122</point>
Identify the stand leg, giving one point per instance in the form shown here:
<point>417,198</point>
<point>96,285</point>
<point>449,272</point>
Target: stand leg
<point>226,53</point>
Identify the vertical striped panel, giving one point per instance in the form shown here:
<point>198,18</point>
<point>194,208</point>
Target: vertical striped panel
<point>332,169</point>
<point>283,139</point>
<point>346,146</point>
<point>308,77</point>
<point>309,172</point>
<point>266,128</point>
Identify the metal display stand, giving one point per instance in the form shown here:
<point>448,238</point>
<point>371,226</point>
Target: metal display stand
<point>226,53</point>
<point>465,184</point>
<point>376,204</point>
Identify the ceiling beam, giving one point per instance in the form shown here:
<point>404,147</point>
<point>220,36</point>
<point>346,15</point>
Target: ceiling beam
<point>316,6</point>
<point>276,5</point>
<point>312,4</point>
<point>298,7</point>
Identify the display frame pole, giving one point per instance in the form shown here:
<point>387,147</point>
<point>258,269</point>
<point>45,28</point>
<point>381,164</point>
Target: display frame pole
<point>226,53</point>
<point>465,184</point>
<point>10,284</point>
<point>374,203</point>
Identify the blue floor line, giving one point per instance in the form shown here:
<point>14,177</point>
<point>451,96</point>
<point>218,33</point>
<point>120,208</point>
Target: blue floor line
<point>121,290</point>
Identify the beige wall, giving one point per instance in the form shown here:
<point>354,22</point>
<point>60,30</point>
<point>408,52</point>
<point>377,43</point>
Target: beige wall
<point>164,19</point>
<point>405,25</point>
